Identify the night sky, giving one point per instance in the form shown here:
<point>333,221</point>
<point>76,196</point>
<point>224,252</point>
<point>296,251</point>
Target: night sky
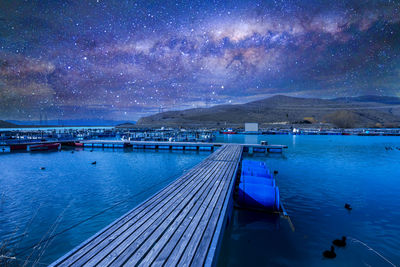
<point>125,59</point>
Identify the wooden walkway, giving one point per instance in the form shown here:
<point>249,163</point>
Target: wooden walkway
<point>176,145</point>
<point>181,225</point>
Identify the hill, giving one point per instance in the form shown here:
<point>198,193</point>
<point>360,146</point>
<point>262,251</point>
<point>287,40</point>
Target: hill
<point>390,100</point>
<point>71,122</point>
<point>284,110</point>
<point>5,124</point>
<point>126,125</point>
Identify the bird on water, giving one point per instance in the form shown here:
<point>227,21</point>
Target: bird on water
<point>94,163</point>
<point>329,254</point>
<point>42,168</point>
<point>347,206</point>
<point>340,242</point>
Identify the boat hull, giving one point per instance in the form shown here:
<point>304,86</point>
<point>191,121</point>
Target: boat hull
<point>44,147</point>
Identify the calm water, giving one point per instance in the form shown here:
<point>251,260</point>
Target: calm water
<point>35,203</point>
<point>317,176</point>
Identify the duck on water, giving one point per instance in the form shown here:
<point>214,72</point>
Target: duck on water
<point>340,242</point>
<point>330,254</point>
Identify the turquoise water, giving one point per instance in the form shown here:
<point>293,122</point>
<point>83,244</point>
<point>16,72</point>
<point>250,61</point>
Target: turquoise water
<point>35,203</point>
<point>317,176</point>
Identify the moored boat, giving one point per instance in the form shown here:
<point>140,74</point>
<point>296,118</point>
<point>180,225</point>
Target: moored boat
<point>228,131</point>
<point>44,147</point>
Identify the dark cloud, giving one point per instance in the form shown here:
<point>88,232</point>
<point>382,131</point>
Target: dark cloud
<point>119,60</point>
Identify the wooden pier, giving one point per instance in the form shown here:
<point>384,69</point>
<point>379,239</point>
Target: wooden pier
<point>183,224</point>
<point>161,145</point>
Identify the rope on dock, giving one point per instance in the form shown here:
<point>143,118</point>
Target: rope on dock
<point>287,217</point>
<point>290,222</point>
<point>285,214</point>
<point>23,250</point>
<point>355,240</point>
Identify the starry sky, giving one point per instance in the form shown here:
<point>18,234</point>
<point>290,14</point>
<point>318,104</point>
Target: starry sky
<point>122,60</point>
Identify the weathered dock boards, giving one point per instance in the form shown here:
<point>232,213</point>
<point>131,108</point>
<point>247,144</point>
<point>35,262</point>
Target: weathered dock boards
<point>181,225</point>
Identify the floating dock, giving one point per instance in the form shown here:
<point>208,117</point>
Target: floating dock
<point>178,145</point>
<point>181,225</point>
<point>159,145</point>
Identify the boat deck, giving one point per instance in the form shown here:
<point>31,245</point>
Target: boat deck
<point>182,225</point>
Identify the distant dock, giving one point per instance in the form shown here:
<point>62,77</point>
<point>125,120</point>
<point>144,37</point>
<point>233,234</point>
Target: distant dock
<point>183,224</point>
<point>158,145</point>
<point>177,145</point>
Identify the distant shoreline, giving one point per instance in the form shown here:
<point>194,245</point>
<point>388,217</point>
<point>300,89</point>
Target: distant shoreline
<point>293,129</point>
<point>55,126</point>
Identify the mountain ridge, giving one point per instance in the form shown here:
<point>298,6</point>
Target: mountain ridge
<point>284,109</point>
<point>6,124</point>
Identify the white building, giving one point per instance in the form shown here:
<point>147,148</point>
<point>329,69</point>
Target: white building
<point>251,127</point>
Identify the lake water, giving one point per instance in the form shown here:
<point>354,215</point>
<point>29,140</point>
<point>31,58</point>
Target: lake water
<point>317,176</point>
<point>35,203</point>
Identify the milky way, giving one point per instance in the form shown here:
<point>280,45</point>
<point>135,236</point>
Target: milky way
<point>124,59</point>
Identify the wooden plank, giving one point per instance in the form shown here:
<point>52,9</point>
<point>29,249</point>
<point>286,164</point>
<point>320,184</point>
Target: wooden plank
<point>201,240</point>
<point>197,251</point>
<point>211,256</point>
<point>127,248</point>
<point>174,218</point>
<point>178,255</point>
<point>155,250</point>
<point>196,241</point>
<point>168,250</point>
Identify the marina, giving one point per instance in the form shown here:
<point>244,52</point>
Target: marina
<point>317,195</point>
<point>115,144</point>
<point>65,135</point>
<point>17,140</point>
<point>111,133</point>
